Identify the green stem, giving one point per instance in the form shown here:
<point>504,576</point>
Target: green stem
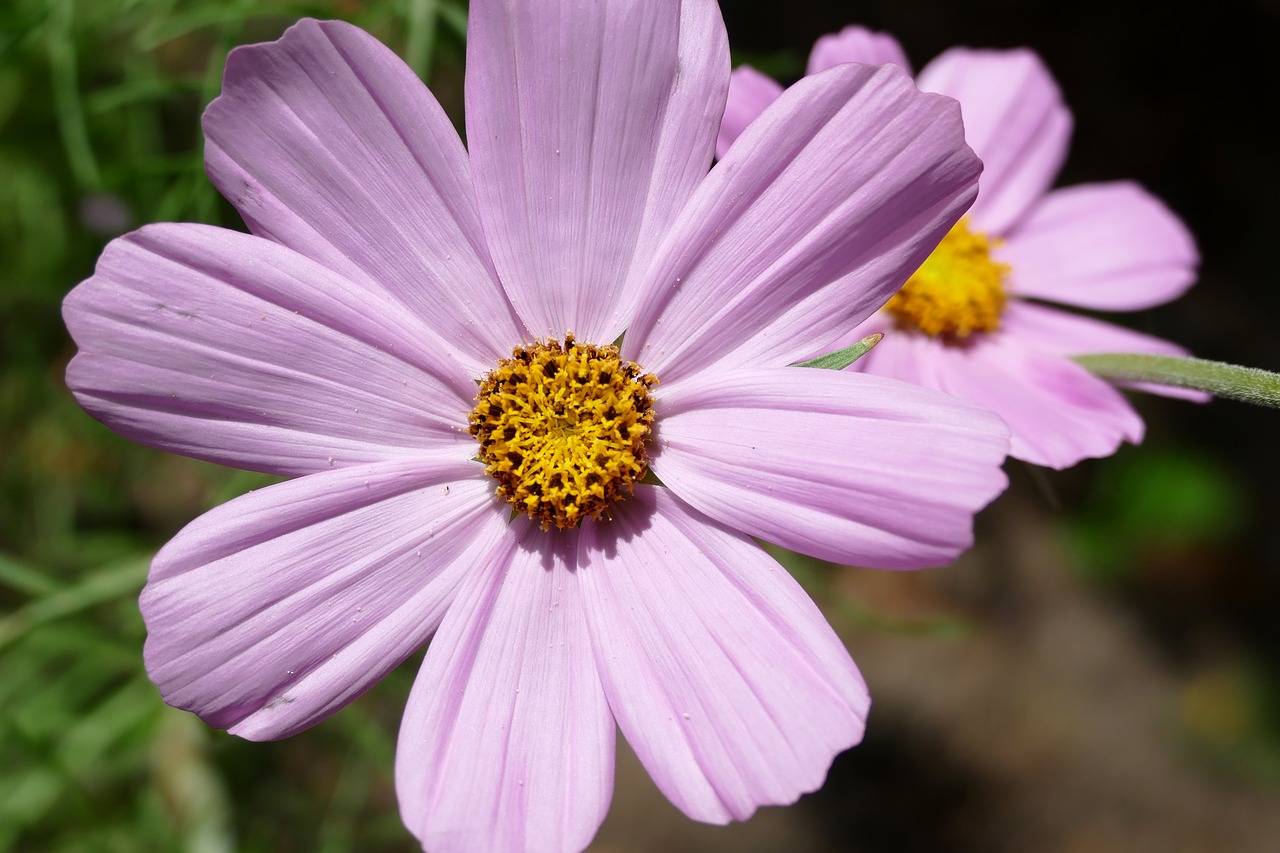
<point>1248,384</point>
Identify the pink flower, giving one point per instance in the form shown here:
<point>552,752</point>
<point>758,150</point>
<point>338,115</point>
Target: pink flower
<point>970,322</point>
<point>390,270</point>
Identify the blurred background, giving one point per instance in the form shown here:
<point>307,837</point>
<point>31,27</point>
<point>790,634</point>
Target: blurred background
<point>1102,672</point>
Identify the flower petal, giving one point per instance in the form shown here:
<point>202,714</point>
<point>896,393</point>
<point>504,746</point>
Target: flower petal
<point>271,612</point>
<point>1058,412</point>
<point>749,93</point>
<point>507,741</point>
<point>1113,247</point>
<point>1071,334</point>
<point>327,142</point>
<point>820,211</point>
<point>856,44</point>
<point>589,125</point>
<point>231,348</point>
<point>846,467</point>
<point>723,675</point>
<point>1062,332</point>
<point>1014,118</point>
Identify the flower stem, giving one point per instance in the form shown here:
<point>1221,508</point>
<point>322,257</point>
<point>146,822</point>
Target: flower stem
<point>1248,384</point>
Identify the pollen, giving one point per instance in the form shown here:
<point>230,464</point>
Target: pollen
<point>957,291</point>
<point>563,427</point>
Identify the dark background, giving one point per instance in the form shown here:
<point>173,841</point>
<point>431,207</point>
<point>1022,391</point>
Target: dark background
<point>1113,683</point>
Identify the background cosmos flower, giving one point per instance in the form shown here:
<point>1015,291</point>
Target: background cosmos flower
<point>389,269</point>
<point>1107,246</point>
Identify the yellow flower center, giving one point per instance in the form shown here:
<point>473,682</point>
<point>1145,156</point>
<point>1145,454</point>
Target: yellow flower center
<point>562,428</point>
<point>957,291</point>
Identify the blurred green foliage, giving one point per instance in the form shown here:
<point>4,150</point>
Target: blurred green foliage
<point>1228,716</point>
<point>100,104</point>
<point>1160,526</point>
<point>1156,500</point>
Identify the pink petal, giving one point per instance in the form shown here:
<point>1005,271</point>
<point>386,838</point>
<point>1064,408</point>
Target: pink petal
<point>1112,247</point>
<point>692,121</point>
<point>1071,335</point>
<point>589,125</point>
<point>1058,412</point>
<point>270,612</point>
<point>327,142</point>
<point>749,93</point>
<point>823,207</point>
<point>846,467</point>
<point>1015,120</point>
<point>231,348</point>
<point>856,44</point>
<point>724,677</point>
<point>1062,332</point>
<point>507,741</point>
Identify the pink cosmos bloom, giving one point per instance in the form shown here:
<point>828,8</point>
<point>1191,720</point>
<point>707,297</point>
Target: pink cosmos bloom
<point>970,322</point>
<point>390,270</point>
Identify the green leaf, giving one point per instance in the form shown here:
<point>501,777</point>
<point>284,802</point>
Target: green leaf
<point>24,578</point>
<point>64,77</point>
<point>1247,384</point>
<point>423,16</point>
<point>97,587</point>
<point>840,359</point>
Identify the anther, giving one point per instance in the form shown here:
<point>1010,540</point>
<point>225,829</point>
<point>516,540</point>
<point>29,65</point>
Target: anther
<point>957,291</point>
<point>562,427</point>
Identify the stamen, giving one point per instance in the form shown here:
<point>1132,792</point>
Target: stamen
<point>957,291</point>
<point>562,428</point>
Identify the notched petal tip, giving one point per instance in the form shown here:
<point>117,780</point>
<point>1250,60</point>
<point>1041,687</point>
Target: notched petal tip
<point>271,612</point>
<point>815,216</point>
<point>723,675</point>
<point>325,141</point>
<point>1107,246</point>
<point>856,44</point>
<point>1015,119</point>
<point>844,466</point>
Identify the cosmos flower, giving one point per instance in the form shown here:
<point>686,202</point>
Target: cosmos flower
<point>971,321</point>
<point>536,401</point>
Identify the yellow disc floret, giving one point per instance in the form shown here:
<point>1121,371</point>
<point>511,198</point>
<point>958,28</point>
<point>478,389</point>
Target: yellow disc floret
<point>562,428</point>
<point>957,291</point>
